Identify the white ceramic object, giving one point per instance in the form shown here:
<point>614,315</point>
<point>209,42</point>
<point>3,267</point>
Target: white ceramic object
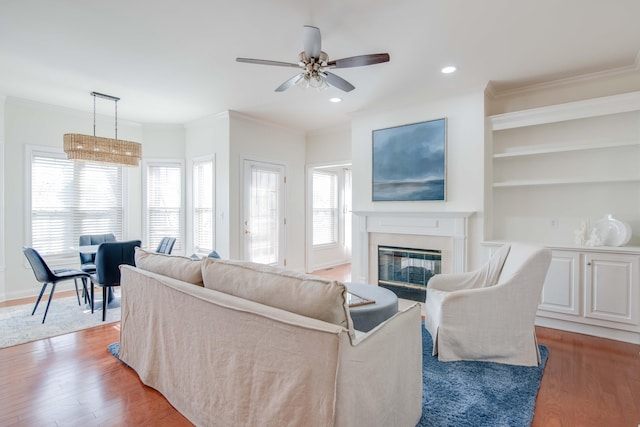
<point>612,232</point>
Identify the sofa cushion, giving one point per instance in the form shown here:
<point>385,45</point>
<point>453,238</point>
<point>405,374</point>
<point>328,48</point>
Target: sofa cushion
<point>176,267</point>
<point>303,294</point>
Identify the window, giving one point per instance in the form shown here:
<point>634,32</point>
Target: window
<point>163,203</point>
<point>325,208</point>
<point>203,205</point>
<point>348,178</point>
<point>69,199</point>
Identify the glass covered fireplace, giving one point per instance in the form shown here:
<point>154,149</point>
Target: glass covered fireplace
<point>407,271</point>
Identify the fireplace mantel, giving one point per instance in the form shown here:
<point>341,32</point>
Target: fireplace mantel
<point>453,225</point>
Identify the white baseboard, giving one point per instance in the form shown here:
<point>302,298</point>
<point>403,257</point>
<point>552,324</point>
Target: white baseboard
<point>330,264</point>
<point>596,331</point>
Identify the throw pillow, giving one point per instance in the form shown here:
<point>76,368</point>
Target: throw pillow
<point>299,293</point>
<point>176,267</point>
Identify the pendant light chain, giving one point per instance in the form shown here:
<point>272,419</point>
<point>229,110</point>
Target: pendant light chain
<point>94,114</point>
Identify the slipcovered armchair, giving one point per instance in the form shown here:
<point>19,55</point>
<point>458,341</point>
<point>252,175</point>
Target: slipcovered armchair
<point>489,314</point>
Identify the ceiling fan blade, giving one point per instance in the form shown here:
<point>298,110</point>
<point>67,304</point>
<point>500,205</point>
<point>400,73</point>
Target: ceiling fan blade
<point>291,82</point>
<point>311,41</point>
<point>267,62</point>
<point>358,61</point>
<point>338,82</point>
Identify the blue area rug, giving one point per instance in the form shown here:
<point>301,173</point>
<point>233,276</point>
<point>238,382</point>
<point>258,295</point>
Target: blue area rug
<point>471,394</point>
<point>114,349</point>
<point>477,393</point>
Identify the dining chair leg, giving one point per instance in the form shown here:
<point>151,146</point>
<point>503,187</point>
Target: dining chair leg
<point>53,289</point>
<point>91,297</point>
<point>104,303</point>
<point>85,290</point>
<point>75,283</point>
<point>44,286</point>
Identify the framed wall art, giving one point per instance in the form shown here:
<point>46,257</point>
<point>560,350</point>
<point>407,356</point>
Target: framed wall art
<point>409,162</point>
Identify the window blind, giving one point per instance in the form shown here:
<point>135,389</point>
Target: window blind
<point>203,206</point>
<point>325,208</point>
<point>164,204</point>
<point>69,199</point>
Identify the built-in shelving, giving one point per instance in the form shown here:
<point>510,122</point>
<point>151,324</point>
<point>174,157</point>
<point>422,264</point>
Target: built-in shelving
<point>553,168</point>
<point>554,171</point>
<point>580,181</point>
<point>550,149</point>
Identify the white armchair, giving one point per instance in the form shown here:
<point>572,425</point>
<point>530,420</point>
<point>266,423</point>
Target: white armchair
<point>489,314</point>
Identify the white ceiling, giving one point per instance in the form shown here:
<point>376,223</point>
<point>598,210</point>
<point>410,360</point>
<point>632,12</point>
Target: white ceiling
<point>174,62</point>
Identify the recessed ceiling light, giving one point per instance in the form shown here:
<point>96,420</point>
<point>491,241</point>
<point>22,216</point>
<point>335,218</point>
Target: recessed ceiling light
<point>335,99</point>
<point>448,70</point>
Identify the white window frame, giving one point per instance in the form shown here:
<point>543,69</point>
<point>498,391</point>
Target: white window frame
<point>336,209</point>
<point>72,256</point>
<point>195,160</point>
<point>145,220</point>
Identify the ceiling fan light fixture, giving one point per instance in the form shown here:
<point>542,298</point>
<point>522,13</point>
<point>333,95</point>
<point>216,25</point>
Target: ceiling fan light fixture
<point>312,80</point>
<point>314,63</point>
<point>335,99</point>
<point>448,69</point>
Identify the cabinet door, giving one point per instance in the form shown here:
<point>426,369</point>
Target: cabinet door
<point>561,290</point>
<point>611,287</point>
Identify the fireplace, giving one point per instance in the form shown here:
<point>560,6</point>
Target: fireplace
<point>446,232</point>
<point>406,271</point>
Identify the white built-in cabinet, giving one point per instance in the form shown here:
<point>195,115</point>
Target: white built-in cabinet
<point>593,288</point>
<point>550,170</point>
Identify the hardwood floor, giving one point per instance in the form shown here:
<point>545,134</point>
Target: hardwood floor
<point>73,380</point>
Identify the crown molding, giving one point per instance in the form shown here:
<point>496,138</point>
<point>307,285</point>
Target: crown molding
<point>494,92</point>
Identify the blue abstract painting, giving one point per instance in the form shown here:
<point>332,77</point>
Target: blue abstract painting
<point>409,162</point>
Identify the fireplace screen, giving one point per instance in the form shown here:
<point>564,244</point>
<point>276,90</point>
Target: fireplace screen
<point>406,271</point>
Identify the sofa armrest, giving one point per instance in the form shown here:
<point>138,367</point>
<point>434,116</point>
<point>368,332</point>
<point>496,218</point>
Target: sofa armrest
<point>380,377</point>
<point>455,281</point>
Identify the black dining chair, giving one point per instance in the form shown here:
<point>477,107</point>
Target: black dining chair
<point>166,245</point>
<point>87,261</point>
<point>45,275</point>
<point>109,258</point>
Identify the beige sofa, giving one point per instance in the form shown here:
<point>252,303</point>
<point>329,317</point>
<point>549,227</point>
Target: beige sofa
<point>240,344</point>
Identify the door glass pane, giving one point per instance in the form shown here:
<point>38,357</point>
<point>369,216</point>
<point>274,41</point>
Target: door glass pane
<point>264,224</point>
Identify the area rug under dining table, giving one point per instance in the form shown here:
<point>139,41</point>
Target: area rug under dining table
<point>471,394</point>
<point>18,326</point>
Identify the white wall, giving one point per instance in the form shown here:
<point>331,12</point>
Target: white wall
<point>465,166</point>
<point>256,140</point>
<point>328,146</point>
<point>204,137</point>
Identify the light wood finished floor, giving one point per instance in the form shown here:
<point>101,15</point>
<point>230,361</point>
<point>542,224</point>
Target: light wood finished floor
<point>73,380</point>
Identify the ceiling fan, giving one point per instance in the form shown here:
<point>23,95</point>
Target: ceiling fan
<point>314,64</point>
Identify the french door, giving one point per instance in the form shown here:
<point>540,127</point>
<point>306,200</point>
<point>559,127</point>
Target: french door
<point>263,210</point>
